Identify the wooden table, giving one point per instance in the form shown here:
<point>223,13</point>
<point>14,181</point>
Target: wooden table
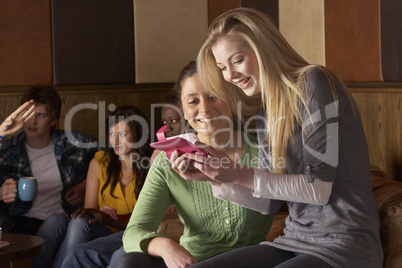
<point>20,250</point>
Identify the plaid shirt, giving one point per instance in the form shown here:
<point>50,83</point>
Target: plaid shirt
<point>72,161</point>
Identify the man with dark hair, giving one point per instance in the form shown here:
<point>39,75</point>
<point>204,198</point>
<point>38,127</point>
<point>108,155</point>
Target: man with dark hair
<point>59,165</point>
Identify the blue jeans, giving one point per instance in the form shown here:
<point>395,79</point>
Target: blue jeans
<point>96,253</point>
<point>262,256</point>
<point>79,231</point>
<point>137,259</point>
<point>52,230</point>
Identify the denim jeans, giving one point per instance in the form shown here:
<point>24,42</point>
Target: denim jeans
<point>96,253</point>
<point>52,230</point>
<point>262,256</point>
<point>137,259</point>
<point>79,231</point>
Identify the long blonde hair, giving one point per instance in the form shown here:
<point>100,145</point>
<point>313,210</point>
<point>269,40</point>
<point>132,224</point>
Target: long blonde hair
<point>282,75</point>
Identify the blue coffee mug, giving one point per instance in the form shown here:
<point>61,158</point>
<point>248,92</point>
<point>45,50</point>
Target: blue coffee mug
<point>27,188</point>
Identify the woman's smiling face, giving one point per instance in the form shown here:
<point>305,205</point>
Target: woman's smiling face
<point>238,63</point>
<point>205,113</point>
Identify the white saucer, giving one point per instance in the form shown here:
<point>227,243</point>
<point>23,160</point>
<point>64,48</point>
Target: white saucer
<point>4,244</point>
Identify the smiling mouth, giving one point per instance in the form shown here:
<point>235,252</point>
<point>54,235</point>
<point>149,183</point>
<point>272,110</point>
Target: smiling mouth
<point>243,82</point>
<point>207,120</point>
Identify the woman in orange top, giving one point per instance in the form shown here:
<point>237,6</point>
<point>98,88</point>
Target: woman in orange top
<point>114,180</point>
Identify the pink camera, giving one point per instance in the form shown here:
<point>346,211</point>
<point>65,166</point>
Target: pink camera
<point>182,143</point>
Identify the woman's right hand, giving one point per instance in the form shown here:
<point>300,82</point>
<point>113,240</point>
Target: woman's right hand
<point>173,254</point>
<point>185,167</point>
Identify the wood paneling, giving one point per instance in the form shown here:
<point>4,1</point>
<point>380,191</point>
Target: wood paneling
<point>86,109</point>
<point>380,110</point>
<point>381,114</point>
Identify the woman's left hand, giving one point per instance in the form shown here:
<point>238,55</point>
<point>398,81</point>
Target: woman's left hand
<point>110,211</point>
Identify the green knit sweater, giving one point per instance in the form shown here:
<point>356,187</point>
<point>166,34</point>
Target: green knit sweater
<point>212,226</point>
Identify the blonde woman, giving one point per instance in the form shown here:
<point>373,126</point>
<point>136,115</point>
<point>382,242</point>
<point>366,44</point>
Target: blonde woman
<point>313,153</point>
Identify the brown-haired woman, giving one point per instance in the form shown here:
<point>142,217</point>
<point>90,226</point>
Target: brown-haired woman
<point>114,180</point>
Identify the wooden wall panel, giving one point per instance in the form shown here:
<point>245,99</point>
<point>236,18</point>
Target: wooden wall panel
<point>25,43</point>
<point>302,24</point>
<point>168,34</point>
<point>380,109</point>
<point>78,106</point>
<point>352,39</point>
<point>88,120</point>
<point>381,112</point>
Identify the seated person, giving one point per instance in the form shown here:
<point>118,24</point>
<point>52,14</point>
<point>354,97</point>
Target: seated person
<point>211,226</point>
<point>13,123</point>
<point>58,164</point>
<point>114,182</point>
<point>97,253</point>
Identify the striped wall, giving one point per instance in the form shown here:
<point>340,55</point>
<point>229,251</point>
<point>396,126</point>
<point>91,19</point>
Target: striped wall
<point>103,42</point>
